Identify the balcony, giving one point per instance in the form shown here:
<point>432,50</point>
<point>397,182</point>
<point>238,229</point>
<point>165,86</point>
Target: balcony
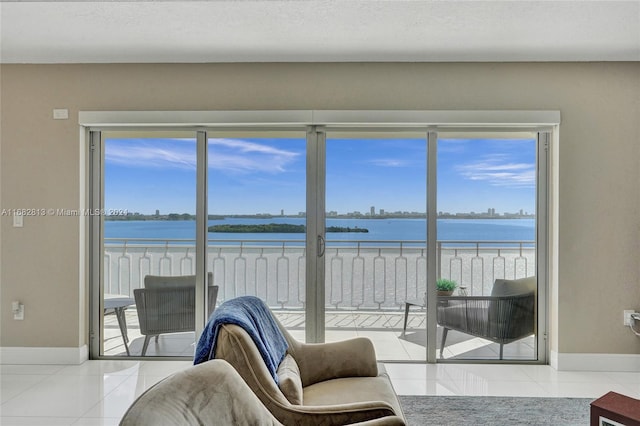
<point>367,283</point>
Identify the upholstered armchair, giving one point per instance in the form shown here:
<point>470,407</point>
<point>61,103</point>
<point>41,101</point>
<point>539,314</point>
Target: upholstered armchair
<point>212,393</point>
<point>167,304</point>
<point>504,317</point>
<point>319,384</point>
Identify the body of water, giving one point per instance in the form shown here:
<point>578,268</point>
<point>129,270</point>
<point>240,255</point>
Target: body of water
<point>379,229</point>
<point>377,274</point>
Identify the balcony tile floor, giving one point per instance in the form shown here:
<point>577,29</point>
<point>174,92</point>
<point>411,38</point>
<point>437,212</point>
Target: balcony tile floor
<point>99,392</point>
<point>383,328</point>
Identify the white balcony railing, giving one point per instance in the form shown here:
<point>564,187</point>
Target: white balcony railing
<point>371,275</point>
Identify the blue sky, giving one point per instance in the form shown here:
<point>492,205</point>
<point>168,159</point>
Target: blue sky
<point>248,176</point>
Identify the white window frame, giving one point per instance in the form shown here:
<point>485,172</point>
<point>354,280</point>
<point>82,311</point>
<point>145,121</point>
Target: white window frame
<point>430,121</point>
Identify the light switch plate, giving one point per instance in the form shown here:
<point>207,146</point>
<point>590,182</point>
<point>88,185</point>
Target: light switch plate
<point>60,114</point>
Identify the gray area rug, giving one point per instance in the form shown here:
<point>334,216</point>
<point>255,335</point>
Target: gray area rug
<point>495,410</point>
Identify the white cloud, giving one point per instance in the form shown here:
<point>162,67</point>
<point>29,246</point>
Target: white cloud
<point>498,173</point>
<point>150,156</point>
<point>389,162</point>
<point>224,154</point>
<point>245,157</point>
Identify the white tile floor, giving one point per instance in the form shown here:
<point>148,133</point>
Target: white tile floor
<point>99,392</point>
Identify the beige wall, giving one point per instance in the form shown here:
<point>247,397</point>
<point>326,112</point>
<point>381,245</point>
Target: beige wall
<point>598,272</point>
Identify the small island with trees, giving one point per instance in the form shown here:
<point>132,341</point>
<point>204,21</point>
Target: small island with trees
<point>278,228</point>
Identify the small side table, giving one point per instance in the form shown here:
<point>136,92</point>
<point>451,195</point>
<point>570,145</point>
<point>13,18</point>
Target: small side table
<point>119,303</point>
<point>614,409</point>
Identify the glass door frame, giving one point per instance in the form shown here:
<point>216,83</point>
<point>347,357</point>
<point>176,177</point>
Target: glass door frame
<point>316,237</point>
<point>96,179</point>
<point>544,135</point>
<point>316,122</point>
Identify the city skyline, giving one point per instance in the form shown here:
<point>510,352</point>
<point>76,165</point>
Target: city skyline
<point>251,176</point>
<point>490,213</point>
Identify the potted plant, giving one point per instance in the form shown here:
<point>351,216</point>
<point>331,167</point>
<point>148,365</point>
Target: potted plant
<point>445,286</point>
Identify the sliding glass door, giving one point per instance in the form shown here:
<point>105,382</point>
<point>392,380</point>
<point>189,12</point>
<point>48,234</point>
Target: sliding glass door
<point>342,231</point>
<point>376,240</point>
<point>257,221</point>
<point>486,250</point>
<point>255,233</point>
<point>148,244</point>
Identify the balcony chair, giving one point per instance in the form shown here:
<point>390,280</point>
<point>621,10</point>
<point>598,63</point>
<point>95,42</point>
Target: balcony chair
<point>212,393</point>
<point>167,304</point>
<point>504,317</point>
<point>317,384</point>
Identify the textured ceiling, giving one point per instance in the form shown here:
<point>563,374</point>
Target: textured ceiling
<point>318,30</point>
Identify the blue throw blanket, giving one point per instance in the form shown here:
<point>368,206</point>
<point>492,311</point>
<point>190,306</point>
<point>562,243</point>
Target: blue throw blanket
<point>254,317</point>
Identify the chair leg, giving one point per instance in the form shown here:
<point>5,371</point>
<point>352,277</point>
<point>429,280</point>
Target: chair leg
<point>145,344</point>
<point>406,317</point>
<point>444,339</point>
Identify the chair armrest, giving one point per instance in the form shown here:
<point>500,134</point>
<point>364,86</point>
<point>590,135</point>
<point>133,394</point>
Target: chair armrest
<point>323,361</point>
<point>342,414</point>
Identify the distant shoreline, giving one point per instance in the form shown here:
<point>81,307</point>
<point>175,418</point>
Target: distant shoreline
<point>277,228</point>
<point>186,217</point>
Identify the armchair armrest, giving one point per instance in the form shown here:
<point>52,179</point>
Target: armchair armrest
<point>342,414</point>
<point>323,361</point>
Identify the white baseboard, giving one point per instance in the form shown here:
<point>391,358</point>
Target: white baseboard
<point>64,356</point>
<point>594,362</point>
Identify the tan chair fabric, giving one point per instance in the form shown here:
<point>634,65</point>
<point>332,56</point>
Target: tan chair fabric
<point>341,382</point>
<point>289,380</point>
<point>211,393</point>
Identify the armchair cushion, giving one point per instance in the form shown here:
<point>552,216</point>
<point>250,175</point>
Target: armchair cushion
<point>513,287</point>
<point>356,389</point>
<point>162,281</point>
<point>289,380</point>
<point>324,361</point>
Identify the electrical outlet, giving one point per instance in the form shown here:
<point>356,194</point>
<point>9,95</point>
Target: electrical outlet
<point>627,316</point>
<point>18,310</point>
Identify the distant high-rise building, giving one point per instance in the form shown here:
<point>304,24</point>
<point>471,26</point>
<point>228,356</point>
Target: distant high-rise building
<point>282,212</point>
<point>157,212</point>
<point>381,211</point>
<point>373,210</point>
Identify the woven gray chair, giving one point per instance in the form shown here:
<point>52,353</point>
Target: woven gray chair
<point>504,317</point>
<point>167,304</point>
